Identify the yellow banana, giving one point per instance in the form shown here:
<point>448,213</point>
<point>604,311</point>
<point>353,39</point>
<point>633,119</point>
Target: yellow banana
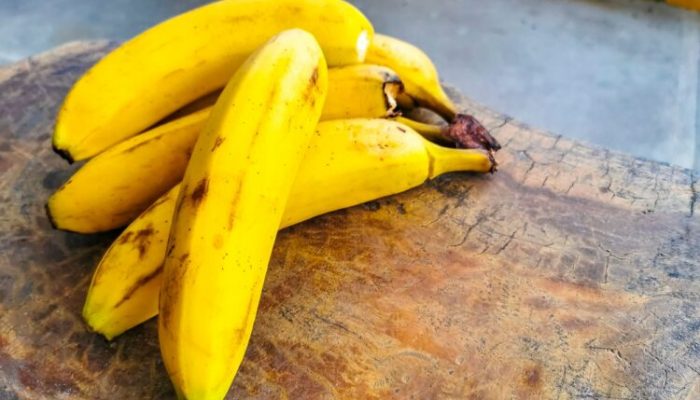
<point>354,91</point>
<point>114,187</point>
<point>188,56</point>
<point>142,168</point>
<point>206,101</point>
<point>348,162</point>
<point>229,208</point>
<point>417,72</point>
<point>363,91</point>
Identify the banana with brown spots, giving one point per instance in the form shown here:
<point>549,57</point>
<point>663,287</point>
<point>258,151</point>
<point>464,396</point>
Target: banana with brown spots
<point>353,161</point>
<point>142,168</point>
<point>229,208</point>
<point>188,56</point>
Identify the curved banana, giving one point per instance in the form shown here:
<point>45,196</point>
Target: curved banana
<point>229,208</point>
<point>354,91</point>
<point>114,187</point>
<point>142,168</point>
<point>348,162</point>
<point>417,72</point>
<point>188,56</point>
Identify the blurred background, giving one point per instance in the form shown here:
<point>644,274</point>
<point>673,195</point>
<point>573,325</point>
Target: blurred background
<point>623,74</point>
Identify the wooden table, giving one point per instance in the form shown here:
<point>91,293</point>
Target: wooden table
<point>573,272</point>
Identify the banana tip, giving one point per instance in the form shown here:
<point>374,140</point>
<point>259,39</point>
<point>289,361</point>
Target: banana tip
<point>494,163</point>
<point>65,154</point>
<point>50,217</point>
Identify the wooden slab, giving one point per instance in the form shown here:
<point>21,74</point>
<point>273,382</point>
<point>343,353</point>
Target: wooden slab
<point>573,272</point>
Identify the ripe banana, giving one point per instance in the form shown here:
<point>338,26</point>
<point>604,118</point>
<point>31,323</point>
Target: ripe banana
<point>364,91</point>
<point>188,56</point>
<point>229,208</point>
<point>112,188</point>
<point>89,203</point>
<point>348,162</point>
<point>417,72</point>
<point>354,91</point>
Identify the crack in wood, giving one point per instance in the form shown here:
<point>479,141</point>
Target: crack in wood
<point>571,186</point>
<point>471,227</point>
<point>506,120</point>
<point>510,239</point>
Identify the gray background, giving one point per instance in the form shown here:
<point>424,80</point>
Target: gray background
<point>622,74</point>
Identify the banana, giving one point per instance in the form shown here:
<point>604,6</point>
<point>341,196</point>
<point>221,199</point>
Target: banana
<point>348,162</point>
<point>188,56</point>
<point>114,187</point>
<point>229,208</point>
<point>364,91</point>
<point>89,203</point>
<point>417,72</point>
<point>206,101</point>
<point>354,91</point>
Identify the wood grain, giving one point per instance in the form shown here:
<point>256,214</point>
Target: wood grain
<point>570,273</point>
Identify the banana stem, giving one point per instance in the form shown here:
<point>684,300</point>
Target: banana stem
<point>406,102</point>
<point>468,133</point>
<point>429,131</point>
<point>445,159</point>
<point>464,131</point>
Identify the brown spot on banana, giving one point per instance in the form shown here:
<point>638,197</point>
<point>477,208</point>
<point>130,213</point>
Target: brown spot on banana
<point>217,142</point>
<point>234,201</point>
<point>142,239</point>
<point>171,289</point>
<point>145,142</point>
<point>125,238</point>
<point>139,283</point>
<point>199,192</point>
<point>313,84</point>
<point>314,77</point>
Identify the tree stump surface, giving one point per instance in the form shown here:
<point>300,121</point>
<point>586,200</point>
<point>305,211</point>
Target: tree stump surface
<point>572,272</point>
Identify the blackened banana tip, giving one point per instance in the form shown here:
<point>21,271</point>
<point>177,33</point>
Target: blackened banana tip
<point>467,132</point>
<point>63,153</point>
<point>49,216</point>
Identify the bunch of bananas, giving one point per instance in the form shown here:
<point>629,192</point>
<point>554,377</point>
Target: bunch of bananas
<point>309,121</point>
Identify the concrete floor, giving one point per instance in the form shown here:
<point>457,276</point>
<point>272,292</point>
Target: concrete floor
<point>622,74</point>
